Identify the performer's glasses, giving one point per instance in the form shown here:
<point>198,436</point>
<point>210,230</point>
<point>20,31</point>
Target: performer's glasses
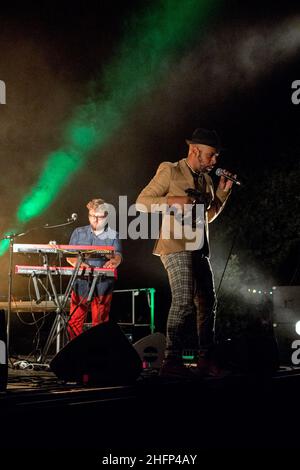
<point>96,217</point>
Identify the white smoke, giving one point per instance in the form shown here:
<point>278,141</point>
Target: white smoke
<point>235,57</point>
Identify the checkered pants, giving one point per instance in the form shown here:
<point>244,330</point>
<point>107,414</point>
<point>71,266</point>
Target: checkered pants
<point>193,294</point>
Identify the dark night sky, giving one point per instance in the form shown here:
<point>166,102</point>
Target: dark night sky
<point>51,50</point>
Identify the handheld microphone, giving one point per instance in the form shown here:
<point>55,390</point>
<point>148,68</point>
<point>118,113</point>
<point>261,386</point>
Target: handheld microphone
<point>221,172</point>
<point>73,217</point>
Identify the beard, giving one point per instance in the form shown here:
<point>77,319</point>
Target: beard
<point>101,225</point>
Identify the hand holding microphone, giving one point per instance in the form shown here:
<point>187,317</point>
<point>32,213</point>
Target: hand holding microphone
<point>226,185</point>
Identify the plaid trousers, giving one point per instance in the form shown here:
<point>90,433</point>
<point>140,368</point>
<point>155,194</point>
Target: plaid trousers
<point>193,294</point>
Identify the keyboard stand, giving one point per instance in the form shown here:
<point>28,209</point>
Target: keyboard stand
<point>58,329</point>
<point>90,294</point>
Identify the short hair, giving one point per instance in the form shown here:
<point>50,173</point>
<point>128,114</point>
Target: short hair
<point>94,204</point>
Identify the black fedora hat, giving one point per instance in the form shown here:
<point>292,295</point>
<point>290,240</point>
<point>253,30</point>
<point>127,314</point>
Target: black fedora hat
<point>206,137</point>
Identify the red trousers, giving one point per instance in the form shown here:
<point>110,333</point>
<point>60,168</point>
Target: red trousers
<point>100,307</point>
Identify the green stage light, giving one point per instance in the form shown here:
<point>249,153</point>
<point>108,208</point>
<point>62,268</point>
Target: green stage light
<point>58,166</point>
<point>4,244</point>
<point>153,42</point>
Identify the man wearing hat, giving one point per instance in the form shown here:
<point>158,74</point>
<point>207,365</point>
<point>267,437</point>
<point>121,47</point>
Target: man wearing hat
<point>186,260</point>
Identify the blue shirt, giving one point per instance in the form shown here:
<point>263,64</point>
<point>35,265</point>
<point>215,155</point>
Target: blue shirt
<point>86,236</point>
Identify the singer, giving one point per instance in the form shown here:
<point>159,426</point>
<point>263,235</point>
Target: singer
<point>96,233</point>
<point>189,271</point>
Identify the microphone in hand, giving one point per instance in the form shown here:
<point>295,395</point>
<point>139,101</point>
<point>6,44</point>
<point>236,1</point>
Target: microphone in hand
<point>221,172</point>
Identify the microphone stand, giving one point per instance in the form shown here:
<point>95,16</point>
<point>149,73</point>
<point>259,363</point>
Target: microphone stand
<point>70,222</point>
<point>11,237</point>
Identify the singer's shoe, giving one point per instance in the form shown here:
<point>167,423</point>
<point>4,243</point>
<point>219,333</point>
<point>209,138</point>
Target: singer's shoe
<point>175,369</point>
<point>202,368</point>
<point>208,367</point>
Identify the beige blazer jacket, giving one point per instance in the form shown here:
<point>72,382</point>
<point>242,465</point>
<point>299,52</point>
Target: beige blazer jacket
<point>172,179</point>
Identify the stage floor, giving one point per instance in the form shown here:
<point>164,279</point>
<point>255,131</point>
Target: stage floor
<point>237,411</point>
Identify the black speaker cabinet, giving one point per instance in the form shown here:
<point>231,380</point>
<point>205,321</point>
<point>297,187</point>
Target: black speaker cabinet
<point>101,355</point>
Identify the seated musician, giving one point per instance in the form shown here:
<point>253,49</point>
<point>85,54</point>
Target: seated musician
<point>96,233</point>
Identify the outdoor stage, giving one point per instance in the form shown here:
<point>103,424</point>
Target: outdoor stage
<point>238,411</point>
<point>98,101</point>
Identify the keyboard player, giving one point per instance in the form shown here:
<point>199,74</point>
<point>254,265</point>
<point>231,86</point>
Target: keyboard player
<point>97,232</point>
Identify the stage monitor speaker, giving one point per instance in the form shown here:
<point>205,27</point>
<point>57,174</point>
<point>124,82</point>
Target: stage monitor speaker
<point>101,355</point>
<point>286,335</point>
<point>151,350</point>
